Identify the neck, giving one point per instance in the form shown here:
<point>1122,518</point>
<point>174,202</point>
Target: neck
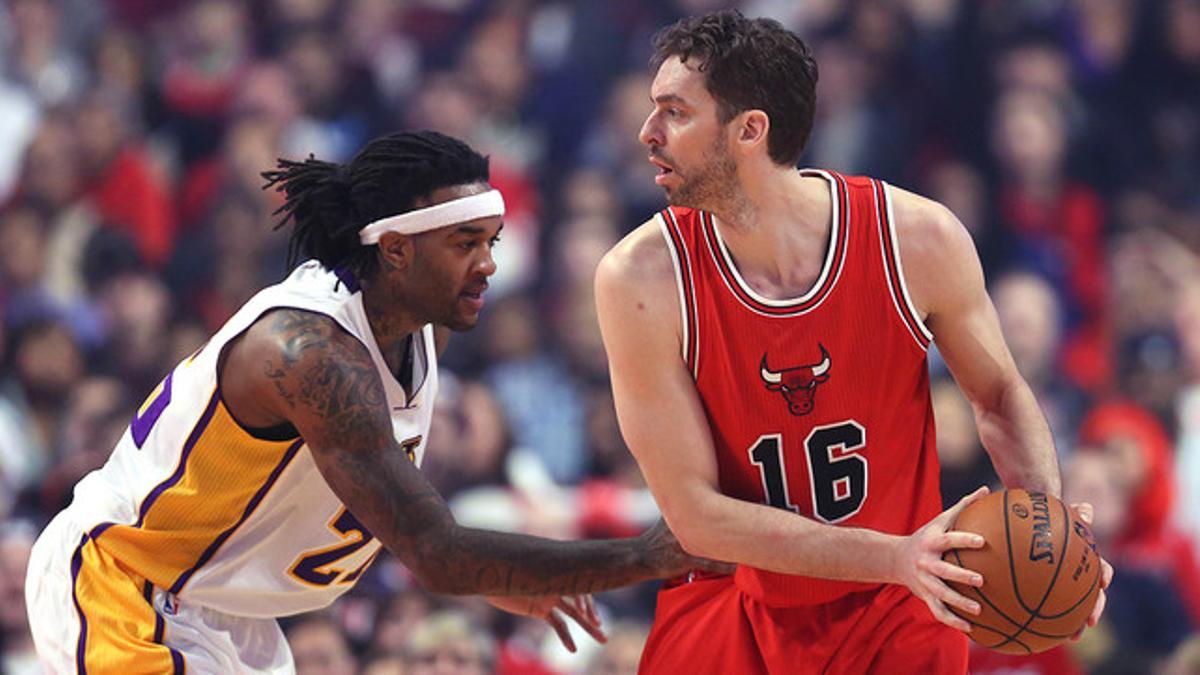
<point>777,229</point>
<point>390,325</point>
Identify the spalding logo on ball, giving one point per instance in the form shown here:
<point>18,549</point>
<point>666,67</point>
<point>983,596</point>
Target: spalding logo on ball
<point>1040,567</point>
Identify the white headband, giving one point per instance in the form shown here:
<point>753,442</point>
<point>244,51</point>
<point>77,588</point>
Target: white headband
<point>482,205</point>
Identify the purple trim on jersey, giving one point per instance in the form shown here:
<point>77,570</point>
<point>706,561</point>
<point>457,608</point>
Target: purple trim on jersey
<point>347,277</point>
<point>99,530</point>
<point>143,423</point>
<point>160,628</point>
<point>250,507</point>
<point>174,478</point>
<point>76,564</point>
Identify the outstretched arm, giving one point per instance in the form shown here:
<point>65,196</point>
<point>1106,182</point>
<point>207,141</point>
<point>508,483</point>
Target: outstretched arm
<point>324,382</point>
<point>946,283</point>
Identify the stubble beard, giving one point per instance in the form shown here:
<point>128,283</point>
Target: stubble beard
<point>713,185</point>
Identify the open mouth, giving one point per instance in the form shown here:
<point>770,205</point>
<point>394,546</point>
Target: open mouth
<point>474,295</point>
<point>663,168</point>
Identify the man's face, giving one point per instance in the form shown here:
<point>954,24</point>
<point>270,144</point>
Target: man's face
<point>686,140</point>
<point>451,265</point>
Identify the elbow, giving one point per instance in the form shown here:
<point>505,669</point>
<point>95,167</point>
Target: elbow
<point>692,536</point>
<point>999,397</point>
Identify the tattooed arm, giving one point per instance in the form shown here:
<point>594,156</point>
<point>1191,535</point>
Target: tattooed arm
<point>303,368</point>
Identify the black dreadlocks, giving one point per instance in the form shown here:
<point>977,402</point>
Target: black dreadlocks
<point>328,203</point>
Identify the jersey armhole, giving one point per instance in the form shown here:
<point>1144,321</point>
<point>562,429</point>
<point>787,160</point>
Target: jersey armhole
<point>894,268</point>
<point>283,431</point>
<point>690,347</point>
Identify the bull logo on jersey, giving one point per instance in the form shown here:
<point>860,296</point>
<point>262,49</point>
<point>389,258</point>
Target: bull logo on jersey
<point>798,384</point>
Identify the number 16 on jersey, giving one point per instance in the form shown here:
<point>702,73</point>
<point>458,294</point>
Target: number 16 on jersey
<point>837,470</point>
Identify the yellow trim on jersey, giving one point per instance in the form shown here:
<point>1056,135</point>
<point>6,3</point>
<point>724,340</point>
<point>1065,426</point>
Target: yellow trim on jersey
<point>120,630</point>
<point>223,475</point>
<point>338,575</point>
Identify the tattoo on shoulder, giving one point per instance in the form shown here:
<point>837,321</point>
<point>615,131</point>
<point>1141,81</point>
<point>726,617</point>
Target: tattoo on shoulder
<point>324,371</point>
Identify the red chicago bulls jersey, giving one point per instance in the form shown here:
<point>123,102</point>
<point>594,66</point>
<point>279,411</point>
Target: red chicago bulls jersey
<point>820,404</point>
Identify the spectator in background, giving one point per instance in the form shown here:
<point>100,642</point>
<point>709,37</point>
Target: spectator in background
<point>856,130</point>
<point>45,364</point>
<point>1145,619</point>
<point>338,102</point>
<point>121,183</point>
<point>122,70</point>
<point>320,648</point>
<point>1187,323</point>
<point>447,643</point>
<point>205,63</point>
<point>1058,225</point>
<point>94,417</point>
<point>52,179</point>
<point>540,397</point>
<point>964,463</point>
<point>42,58</point>
<point>613,149</point>
<point>397,618</point>
<point>23,262</point>
<point>17,655</point>
<point>1031,317</point>
<point>1143,462</point>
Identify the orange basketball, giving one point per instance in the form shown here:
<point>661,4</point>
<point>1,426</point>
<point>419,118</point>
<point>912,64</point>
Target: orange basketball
<point>1040,567</point>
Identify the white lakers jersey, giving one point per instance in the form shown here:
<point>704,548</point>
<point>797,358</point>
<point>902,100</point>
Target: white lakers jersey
<point>194,503</point>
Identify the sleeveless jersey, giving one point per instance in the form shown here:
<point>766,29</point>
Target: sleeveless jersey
<point>194,503</point>
<point>819,405</point>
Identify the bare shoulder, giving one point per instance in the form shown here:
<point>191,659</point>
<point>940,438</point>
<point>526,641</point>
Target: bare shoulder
<point>635,287</point>
<point>641,257</point>
<point>292,335</point>
<point>936,250</point>
<point>925,226</point>
<point>293,363</point>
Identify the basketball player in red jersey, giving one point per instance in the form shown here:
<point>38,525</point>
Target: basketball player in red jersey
<point>767,338</point>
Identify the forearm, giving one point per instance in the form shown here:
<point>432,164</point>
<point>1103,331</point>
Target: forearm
<point>723,528</point>
<point>1015,433</point>
<point>463,561</point>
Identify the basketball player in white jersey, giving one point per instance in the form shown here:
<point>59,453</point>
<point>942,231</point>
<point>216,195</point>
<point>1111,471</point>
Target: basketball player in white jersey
<point>264,473</point>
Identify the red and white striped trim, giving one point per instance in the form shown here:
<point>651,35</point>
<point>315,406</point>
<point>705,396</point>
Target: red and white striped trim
<point>685,283</point>
<point>893,267</point>
<point>831,270</point>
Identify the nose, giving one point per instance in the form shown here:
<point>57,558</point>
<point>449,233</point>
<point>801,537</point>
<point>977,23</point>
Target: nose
<point>487,264</point>
<point>650,133</point>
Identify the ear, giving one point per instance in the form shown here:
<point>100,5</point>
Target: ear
<point>752,129</point>
<point>396,250</point>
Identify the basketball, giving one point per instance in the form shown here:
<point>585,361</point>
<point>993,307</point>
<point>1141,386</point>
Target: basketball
<point>1040,567</point>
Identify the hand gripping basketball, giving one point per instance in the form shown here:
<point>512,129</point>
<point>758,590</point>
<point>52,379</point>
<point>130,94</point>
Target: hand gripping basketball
<point>1043,574</point>
<point>919,564</point>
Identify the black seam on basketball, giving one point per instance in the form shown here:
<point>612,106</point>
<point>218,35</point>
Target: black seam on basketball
<point>979,592</point>
<point>1062,555</point>
<point>1008,547</point>
<point>1007,637</point>
<point>1079,602</point>
<point>1000,612</point>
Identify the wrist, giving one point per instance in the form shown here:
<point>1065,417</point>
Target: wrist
<point>891,555</point>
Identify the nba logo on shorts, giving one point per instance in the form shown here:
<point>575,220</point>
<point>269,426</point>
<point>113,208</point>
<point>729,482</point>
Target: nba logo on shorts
<point>169,606</point>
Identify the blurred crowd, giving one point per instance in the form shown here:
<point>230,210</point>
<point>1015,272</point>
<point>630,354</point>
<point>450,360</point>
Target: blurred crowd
<point>1065,134</point>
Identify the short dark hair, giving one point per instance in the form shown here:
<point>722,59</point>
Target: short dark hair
<point>750,64</point>
<point>328,203</point>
